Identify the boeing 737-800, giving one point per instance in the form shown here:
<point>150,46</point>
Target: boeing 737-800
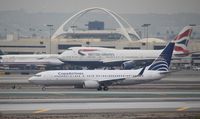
<point>101,79</point>
<point>96,57</point>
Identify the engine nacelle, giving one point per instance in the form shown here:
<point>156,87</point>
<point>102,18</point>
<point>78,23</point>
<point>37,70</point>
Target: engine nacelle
<point>128,65</point>
<point>91,84</point>
<point>78,86</point>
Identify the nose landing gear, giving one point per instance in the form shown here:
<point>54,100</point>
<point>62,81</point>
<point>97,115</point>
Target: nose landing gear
<point>43,88</point>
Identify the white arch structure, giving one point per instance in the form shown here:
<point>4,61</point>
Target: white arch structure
<point>114,15</point>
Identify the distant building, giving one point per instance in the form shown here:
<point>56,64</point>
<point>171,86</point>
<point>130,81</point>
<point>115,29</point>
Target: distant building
<point>96,25</point>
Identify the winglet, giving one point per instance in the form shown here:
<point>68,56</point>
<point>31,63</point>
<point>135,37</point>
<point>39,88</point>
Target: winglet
<point>142,71</point>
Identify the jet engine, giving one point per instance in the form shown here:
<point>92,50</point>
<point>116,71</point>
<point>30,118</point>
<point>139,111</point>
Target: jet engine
<point>128,65</point>
<point>91,84</point>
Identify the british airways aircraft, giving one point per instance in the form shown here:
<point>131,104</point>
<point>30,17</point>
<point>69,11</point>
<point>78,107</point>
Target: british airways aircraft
<point>96,57</point>
<point>101,79</point>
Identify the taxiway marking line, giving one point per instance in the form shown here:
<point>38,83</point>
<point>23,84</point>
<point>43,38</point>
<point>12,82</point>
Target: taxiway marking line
<point>40,111</point>
<point>182,108</point>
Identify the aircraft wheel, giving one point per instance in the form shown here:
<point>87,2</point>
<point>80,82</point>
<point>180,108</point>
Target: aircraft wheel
<point>13,87</point>
<point>99,88</point>
<point>43,88</point>
<point>105,88</point>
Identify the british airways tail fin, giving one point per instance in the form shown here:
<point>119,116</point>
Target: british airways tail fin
<point>163,61</point>
<point>182,39</point>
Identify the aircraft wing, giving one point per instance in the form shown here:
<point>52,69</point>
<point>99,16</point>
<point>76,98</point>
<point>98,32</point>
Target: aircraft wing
<point>116,80</point>
<point>109,61</point>
<point>123,60</point>
<point>112,61</point>
<point>110,81</point>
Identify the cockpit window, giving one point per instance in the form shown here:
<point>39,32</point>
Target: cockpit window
<point>40,58</point>
<point>37,75</point>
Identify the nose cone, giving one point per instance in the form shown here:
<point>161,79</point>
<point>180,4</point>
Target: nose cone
<point>55,61</point>
<point>34,79</point>
<point>31,80</point>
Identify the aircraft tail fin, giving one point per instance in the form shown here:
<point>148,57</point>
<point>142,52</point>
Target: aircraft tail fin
<point>163,61</point>
<point>182,39</point>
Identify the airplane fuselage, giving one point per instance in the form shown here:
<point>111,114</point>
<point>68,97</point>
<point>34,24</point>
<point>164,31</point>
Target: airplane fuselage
<point>105,56</point>
<point>35,59</point>
<point>78,77</point>
<point>104,78</point>
<point>98,57</point>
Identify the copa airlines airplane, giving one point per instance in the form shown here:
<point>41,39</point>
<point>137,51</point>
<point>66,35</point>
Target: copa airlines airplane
<point>101,79</point>
<point>96,56</point>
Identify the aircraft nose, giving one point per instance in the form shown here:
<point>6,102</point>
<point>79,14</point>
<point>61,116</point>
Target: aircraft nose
<point>31,80</point>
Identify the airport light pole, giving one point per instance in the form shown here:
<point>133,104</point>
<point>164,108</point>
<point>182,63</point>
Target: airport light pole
<point>6,32</point>
<point>50,32</point>
<point>143,35</point>
<point>146,25</point>
<point>18,30</point>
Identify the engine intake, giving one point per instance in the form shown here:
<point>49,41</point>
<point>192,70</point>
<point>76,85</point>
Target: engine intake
<point>128,65</point>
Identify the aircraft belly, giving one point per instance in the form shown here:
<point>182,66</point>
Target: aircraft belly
<point>66,82</point>
<point>137,81</point>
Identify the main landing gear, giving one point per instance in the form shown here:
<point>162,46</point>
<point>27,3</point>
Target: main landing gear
<point>100,88</point>
<point>43,88</point>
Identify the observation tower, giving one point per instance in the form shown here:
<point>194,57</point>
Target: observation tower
<point>125,30</point>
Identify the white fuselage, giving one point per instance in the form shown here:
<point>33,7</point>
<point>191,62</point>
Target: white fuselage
<point>36,59</point>
<point>106,55</point>
<point>99,78</point>
<point>95,54</point>
<point>78,77</point>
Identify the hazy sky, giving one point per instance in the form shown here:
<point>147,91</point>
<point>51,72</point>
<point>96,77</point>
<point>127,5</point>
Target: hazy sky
<point>119,6</point>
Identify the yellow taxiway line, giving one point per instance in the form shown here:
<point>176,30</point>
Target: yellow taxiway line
<point>40,111</point>
<point>182,109</point>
